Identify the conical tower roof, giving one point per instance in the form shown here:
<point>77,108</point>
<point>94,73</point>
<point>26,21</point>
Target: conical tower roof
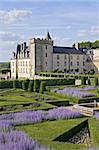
<point>48,37</point>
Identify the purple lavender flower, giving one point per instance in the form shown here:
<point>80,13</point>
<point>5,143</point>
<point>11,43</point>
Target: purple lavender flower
<point>97,115</point>
<point>75,92</point>
<point>62,113</point>
<point>16,140</point>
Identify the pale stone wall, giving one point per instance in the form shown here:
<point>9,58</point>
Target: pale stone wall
<point>69,62</point>
<point>13,68</point>
<point>62,59</point>
<point>23,68</point>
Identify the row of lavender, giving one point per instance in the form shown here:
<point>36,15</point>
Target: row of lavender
<point>27,117</point>
<point>77,92</point>
<point>16,140</point>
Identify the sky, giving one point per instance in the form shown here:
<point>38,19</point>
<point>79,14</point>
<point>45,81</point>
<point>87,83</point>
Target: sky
<point>68,21</point>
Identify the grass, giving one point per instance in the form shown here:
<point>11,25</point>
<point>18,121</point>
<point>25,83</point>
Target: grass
<point>46,132</point>
<point>94,131</point>
<point>17,98</point>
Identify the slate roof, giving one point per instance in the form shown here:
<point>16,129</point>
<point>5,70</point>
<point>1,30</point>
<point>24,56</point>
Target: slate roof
<point>66,50</point>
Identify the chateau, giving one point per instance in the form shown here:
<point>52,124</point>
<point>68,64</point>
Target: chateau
<point>42,56</point>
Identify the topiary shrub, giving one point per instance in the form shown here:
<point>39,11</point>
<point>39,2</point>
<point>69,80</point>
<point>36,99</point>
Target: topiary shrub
<point>15,84</point>
<point>30,86</point>
<point>42,87</point>
<point>83,80</point>
<point>89,82</point>
<point>96,81</point>
<point>6,84</point>
<point>36,85</point>
<point>25,85</point>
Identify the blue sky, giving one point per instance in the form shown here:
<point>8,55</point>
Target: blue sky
<point>68,21</point>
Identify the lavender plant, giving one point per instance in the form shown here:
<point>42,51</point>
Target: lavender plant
<point>75,92</point>
<point>62,113</point>
<point>97,115</point>
<point>16,140</point>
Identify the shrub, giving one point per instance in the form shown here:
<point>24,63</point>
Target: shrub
<point>89,83</point>
<point>6,84</point>
<point>96,81</point>
<point>54,82</point>
<point>42,86</point>
<point>25,84</point>
<point>36,85</point>
<point>17,83</point>
<point>83,80</point>
<point>30,86</point>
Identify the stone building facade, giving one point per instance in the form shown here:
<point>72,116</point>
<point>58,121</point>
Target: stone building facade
<point>42,56</point>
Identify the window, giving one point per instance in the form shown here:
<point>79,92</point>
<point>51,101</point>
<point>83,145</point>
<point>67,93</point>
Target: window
<point>57,57</point>
<point>45,54</point>
<point>83,57</point>
<point>77,57</point>
<point>65,57</point>
<point>71,57</point>
<point>65,63</point>
<point>26,63</point>
<point>23,63</point>
<point>13,70</point>
<point>46,63</point>
<point>26,70</point>
<point>57,63</point>
<point>83,63</point>
<point>29,63</point>
<point>46,47</point>
<point>77,63</point>
<point>12,63</point>
<point>71,63</point>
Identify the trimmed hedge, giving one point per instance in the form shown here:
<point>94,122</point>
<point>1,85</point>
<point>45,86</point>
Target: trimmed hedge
<point>22,83</point>
<point>17,83</point>
<point>88,100</point>
<point>83,80</point>
<point>53,82</point>
<point>25,85</point>
<point>6,84</point>
<point>96,81</point>
<point>59,103</point>
<point>69,134</point>
<point>42,86</point>
<point>30,86</point>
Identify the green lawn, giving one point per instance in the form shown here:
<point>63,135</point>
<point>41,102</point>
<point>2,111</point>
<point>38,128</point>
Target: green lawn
<point>46,132</point>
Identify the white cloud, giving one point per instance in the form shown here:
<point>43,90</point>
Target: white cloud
<point>10,37</point>
<point>94,30</point>
<point>14,15</point>
<point>82,33</point>
<point>65,41</point>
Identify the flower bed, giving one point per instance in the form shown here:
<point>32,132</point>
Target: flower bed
<point>97,115</point>
<point>16,140</point>
<point>28,117</point>
<point>75,92</point>
<point>62,113</point>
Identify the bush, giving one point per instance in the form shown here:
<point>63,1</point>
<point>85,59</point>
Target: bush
<point>6,84</point>
<point>25,84</point>
<point>17,84</point>
<point>96,81</point>
<point>30,86</point>
<point>54,82</point>
<point>36,85</point>
<point>42,86</point>
<point>89,83</point>
<point>83,80</point>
